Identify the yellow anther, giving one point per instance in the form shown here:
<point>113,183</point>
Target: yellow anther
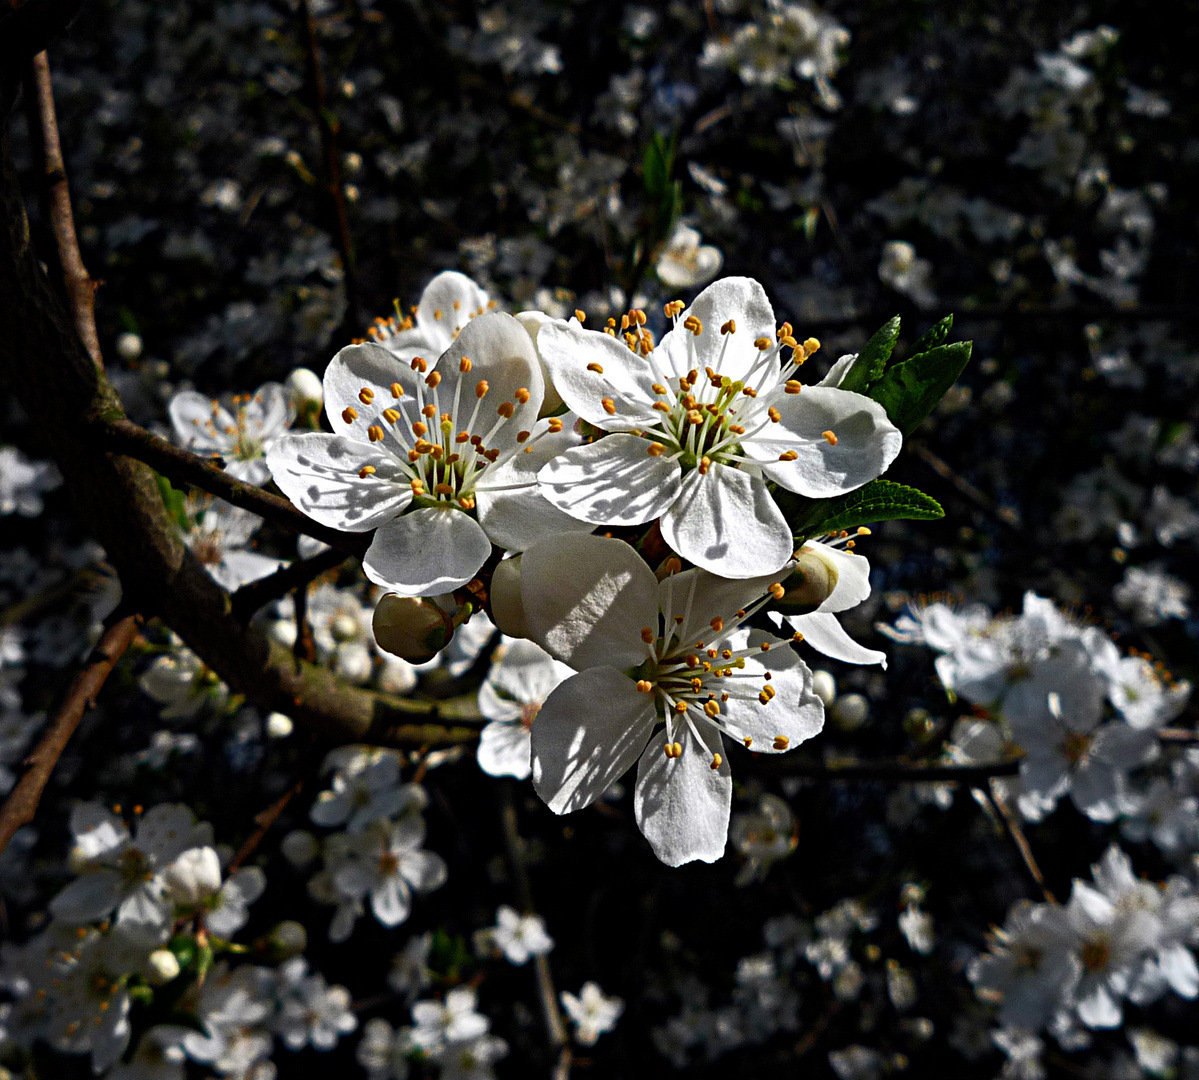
<point>365,471</point>
<point>691,660</point>
<point>597,368</point>
<point>555,426</point>
<point>397,391</point>
<point>678,746</point>
<point>776,590</point>
<point>481,388</point>
<point>655,449</point>
<point>769,691</point>
<point>349,414</point>
<point>506,409</point>
<point>637,316</point>
<point>712,708</point>
<point>522,395</point>
<point>647,635</point>
<point>609,406</point>
<point>464,365</point>
<point>624,322</point>
<point>750,392</point>
<point>366,395</point>
<point>786,330</point>
<point>774,414</point>
<point>422,446</point>
<point>521,436</point>
<point>374,433</point>
<point>581,315</point>
<point>694,325</point>
<point>761,343</point>
<point>791,342</point>
<point>717,761</point>
<point>419,364</point>
<point>810,346</point>
<point>729,327</point>
<point>429,411</point>
<point>781,742</point>
<point>420,430</point>
<point>433,379</point>
<point>790,455</point>
<point>851,544</point>
<point>437,453</point>
<point>694,416</point>
<point>661,406</point>
<point>717,624</point>
<point>672,566</point>
<point>418,487</point>
<point>792,386</point>
<point>736,429</point>
<point>437,313</point>
<point>748,742</point>
<point>797,637</point>
<point>705,463</point>
<point>443,489</point>
<point>392,416</point>
<point>658,388</point>
<point>727,653</point>
<point>644,686</point>
<point>462,437</point>
<point>830,437</point>
<point>863,531</point>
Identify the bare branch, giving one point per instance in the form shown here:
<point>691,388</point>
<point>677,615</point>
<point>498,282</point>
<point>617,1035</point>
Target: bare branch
<point>1011,824</point>
<point>249,598</point>
<point>22,802</point>
<point>891,772</point>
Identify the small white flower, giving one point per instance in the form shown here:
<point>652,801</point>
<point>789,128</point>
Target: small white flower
<point>763,837</point>
<point>520,937</point>
<point>453,1020</point>
<point>685,263</point>
<point>218,537</point>
<point>241,437</point>
<point>383,1051</point>
<point>22,482</point>
<point>522,676</point>
<point>592,1012</point>
<point>310,1011</point>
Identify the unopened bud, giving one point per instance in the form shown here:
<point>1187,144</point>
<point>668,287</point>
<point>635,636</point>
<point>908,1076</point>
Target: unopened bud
<point>919,724</point>
<point>824,686</point>
<point>129,346</point>
<point>162,966</point>
<point>279,726</point>
<point>413,628</point>
<point>288,939</point>
<point>850,711</point>
<point>507,608</point>
<point>307,395</point>
<point>300,847</point>
<point>810,584</point>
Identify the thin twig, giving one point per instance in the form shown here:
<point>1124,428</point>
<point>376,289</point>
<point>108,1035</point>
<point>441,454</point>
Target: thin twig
<point>1181,735</point>
<point>304,647</point>
<point>978,498</point>
<point>184,467</point>
<point>264,821</point>
<point>249,598</point>
<point>80,287</point>
<point>1011,825</point>
<point>22,802</point>
<point>34,605</point>
<point>894,771</point>
<point>514,849</point>
<point>329,126</point>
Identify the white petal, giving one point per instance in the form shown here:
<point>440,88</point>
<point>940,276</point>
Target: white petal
<point>795,712</point>
<point>851,574</point>
<point>587,736</point>
<point>533,321</point>
<point>391,901</point>
<point>839,370</point>
<point>198,426</point>
<point>586,599</point>
<point>241,567</point>
<point>424,870</point>
<point>625,378</point>
<point>738,298</point>
<point>89,898</point>
<point>727,522</point>
<point>826,635</point>
<point>505,749</point>
<point>427,552</point>
<point>319,473</point>
<point>866,444</point>
<point>501,354</point>
<point>682,804</point>
<point>612,481</point>
<point>371,367</point>
<point>708,596</point>
<point>512,508</point>
<point>450,301</point>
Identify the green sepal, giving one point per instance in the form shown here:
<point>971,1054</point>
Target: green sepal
<point>932,337</point>
<point>868,368</point>
<point>880,500</point>
<point>910,390</point>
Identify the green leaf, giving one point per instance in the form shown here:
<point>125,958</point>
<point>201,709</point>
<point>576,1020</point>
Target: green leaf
<point>933,336</point>
<point>656,166</point>
<point>175,502</point>
<point>880,500</point>
<point>872,360</point>
<point>910,390</point>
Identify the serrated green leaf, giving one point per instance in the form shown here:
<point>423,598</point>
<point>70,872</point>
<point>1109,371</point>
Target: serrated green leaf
<point>175,502</point>
<point>880,500</point>
<point>872,360</point>
<point>910,390</point>
<point>932,337</point>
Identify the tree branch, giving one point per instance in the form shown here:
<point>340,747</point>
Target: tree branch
<point>892,772</point>
<point>80,287</point>
<point>249,598</point>
<point>22,802</point>
<point>1011,825</point>
<point>183,467</point>
<point>28,30</point>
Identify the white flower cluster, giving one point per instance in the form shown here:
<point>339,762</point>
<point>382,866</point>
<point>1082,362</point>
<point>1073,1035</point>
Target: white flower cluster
<point>1068,968</point>
<point>148,902</point>
<point>463,434</point>
<point>376,855</point>
<point>1057,694</point>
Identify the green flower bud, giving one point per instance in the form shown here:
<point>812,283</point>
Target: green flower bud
<point>413,628</point>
